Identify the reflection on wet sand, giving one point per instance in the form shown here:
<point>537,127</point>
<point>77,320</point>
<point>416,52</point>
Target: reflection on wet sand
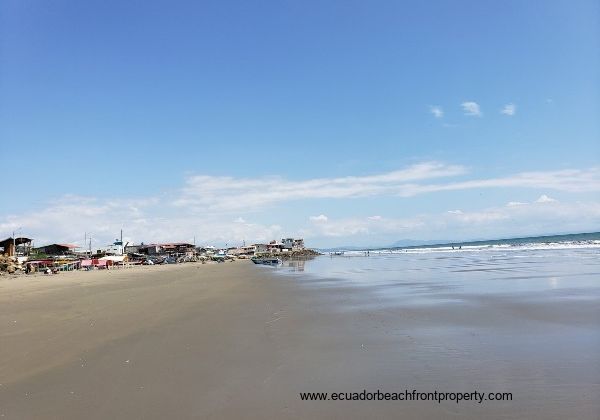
<point>296,264</point>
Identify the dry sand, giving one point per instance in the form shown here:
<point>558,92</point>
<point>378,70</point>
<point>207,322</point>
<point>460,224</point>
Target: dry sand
<point>236,341</point>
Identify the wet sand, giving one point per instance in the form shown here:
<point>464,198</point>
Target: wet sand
<point>238,341</point>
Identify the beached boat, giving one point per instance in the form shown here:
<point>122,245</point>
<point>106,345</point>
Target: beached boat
<point>266,260</point>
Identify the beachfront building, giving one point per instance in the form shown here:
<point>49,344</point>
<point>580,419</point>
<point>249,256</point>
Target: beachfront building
<point>116,248</point>
<point>292,244</point>
<point>19,247</point>
<point>81,251</point>
<point>242,250</point>
<point>56,249</point>
<point>286,245</point>
<point>178,249</point>
<point>261,248</point>
<point>149,249</point>
<point>275,246</point>
<point>248,250</point>
<point>206,250</point>
<point>133,249</point>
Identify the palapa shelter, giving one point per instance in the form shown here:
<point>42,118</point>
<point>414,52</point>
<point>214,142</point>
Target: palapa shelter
<point>56,249</point>
<point>9,246</point>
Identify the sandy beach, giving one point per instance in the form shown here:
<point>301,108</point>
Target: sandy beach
<point>238,341</point>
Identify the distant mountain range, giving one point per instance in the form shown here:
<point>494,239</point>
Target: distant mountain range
<point>402,243</point>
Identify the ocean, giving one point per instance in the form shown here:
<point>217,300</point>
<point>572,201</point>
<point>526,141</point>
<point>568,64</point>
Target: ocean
<point>429,273</point>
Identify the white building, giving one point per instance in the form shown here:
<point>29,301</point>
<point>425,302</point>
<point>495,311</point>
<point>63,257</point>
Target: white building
<point>298,244</point>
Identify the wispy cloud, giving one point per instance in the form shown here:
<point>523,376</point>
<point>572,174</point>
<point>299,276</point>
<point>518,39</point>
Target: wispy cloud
<point>208,193</point>
<point>568,180</point>
<point>437,111</point>
<point>515,203</point>
<point>509,109</point>
<point>471,109</point>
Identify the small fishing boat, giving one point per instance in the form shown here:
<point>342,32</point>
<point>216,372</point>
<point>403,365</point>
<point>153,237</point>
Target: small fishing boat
<point>266,260</point>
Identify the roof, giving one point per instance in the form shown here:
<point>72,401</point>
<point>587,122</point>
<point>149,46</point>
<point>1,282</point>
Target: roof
<point>18,241</point>
<point>167,245</point>
<point>70,246</point>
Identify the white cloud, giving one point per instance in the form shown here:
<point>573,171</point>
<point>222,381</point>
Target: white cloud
<point>525,219</point>
<point>569,180</point>
<point>66,219</point>
<point>319,219</point>
<point>437,111</point>
<point>545,199</point>
<point>471,109</point>
<point>220,209</point>
<point>218,194</point>
<point>509,109</point>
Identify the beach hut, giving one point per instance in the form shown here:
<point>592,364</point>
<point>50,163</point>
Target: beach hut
<point>15,246</point>
<point>56,249</point>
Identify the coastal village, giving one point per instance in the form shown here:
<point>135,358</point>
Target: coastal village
<point>18,255</point>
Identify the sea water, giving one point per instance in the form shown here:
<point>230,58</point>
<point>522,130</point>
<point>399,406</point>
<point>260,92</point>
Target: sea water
<point>573,268</point>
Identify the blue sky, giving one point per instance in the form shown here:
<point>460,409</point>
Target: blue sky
<point>233,120</point>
